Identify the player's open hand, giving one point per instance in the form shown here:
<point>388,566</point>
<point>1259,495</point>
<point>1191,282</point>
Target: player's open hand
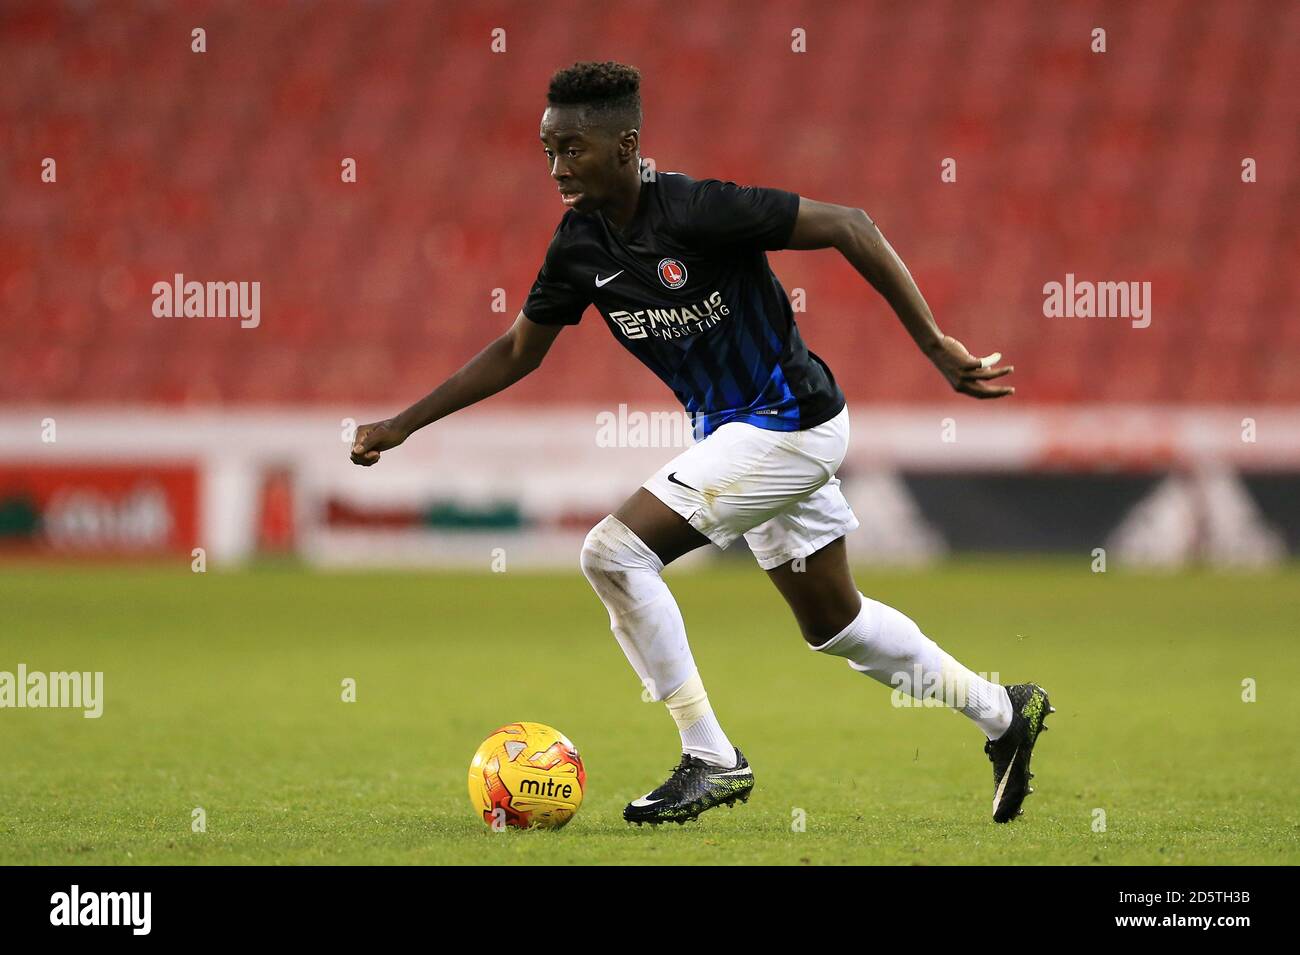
<point>374,438</point>
<point>968,374</point>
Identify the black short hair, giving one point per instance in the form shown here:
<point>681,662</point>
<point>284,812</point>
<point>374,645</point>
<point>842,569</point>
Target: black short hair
<point>611,92</point>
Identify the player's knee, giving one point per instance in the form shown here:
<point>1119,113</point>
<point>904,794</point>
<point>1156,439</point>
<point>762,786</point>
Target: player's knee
<point>613,559</point>
<point>826,614</point>
<point>590,558</point>
<point>602,552</point>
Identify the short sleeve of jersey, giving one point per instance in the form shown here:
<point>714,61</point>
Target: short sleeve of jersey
<point>723,213</point>
<point>553,299</point>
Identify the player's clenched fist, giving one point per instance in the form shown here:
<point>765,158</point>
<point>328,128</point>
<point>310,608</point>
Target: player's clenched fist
<point>373,438</point>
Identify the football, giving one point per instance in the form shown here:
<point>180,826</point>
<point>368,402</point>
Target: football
<point>526,775</point>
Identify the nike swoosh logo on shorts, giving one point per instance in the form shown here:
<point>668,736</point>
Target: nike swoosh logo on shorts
<point>603,282</point>
<point>673,478</point>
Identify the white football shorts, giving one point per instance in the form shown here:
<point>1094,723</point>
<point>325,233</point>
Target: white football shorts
<point>777,488</point>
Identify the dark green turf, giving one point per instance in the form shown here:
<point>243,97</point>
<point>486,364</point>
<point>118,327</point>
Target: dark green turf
<point>223,691</point>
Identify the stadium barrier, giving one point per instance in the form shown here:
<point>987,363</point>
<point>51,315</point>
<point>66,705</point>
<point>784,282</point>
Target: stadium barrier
<point>1148,486</point>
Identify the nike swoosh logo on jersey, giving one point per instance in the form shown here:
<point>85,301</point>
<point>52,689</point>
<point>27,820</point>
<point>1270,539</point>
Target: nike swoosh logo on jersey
<point>600,283</point>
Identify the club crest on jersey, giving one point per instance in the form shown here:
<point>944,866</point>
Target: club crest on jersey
<point>672,273</point>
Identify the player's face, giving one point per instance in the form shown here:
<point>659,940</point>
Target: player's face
<point>581,158</point>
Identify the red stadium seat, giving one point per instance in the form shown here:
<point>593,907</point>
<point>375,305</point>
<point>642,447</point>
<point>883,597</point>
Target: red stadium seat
<point>1122,166</point>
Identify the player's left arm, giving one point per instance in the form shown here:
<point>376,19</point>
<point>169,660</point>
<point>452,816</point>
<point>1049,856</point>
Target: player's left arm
<point>823,225</point>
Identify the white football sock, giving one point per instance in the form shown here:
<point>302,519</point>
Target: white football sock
<point>645,619</point>
<point>888,646</point>
<point>701,734</point>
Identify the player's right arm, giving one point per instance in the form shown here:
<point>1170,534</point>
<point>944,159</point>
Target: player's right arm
<point>498,366</point>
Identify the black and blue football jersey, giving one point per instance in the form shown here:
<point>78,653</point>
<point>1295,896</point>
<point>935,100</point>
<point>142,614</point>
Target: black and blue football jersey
<point>687,289</point>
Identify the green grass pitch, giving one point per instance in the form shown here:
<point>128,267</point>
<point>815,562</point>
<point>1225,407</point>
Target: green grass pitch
<point>223,691</point>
